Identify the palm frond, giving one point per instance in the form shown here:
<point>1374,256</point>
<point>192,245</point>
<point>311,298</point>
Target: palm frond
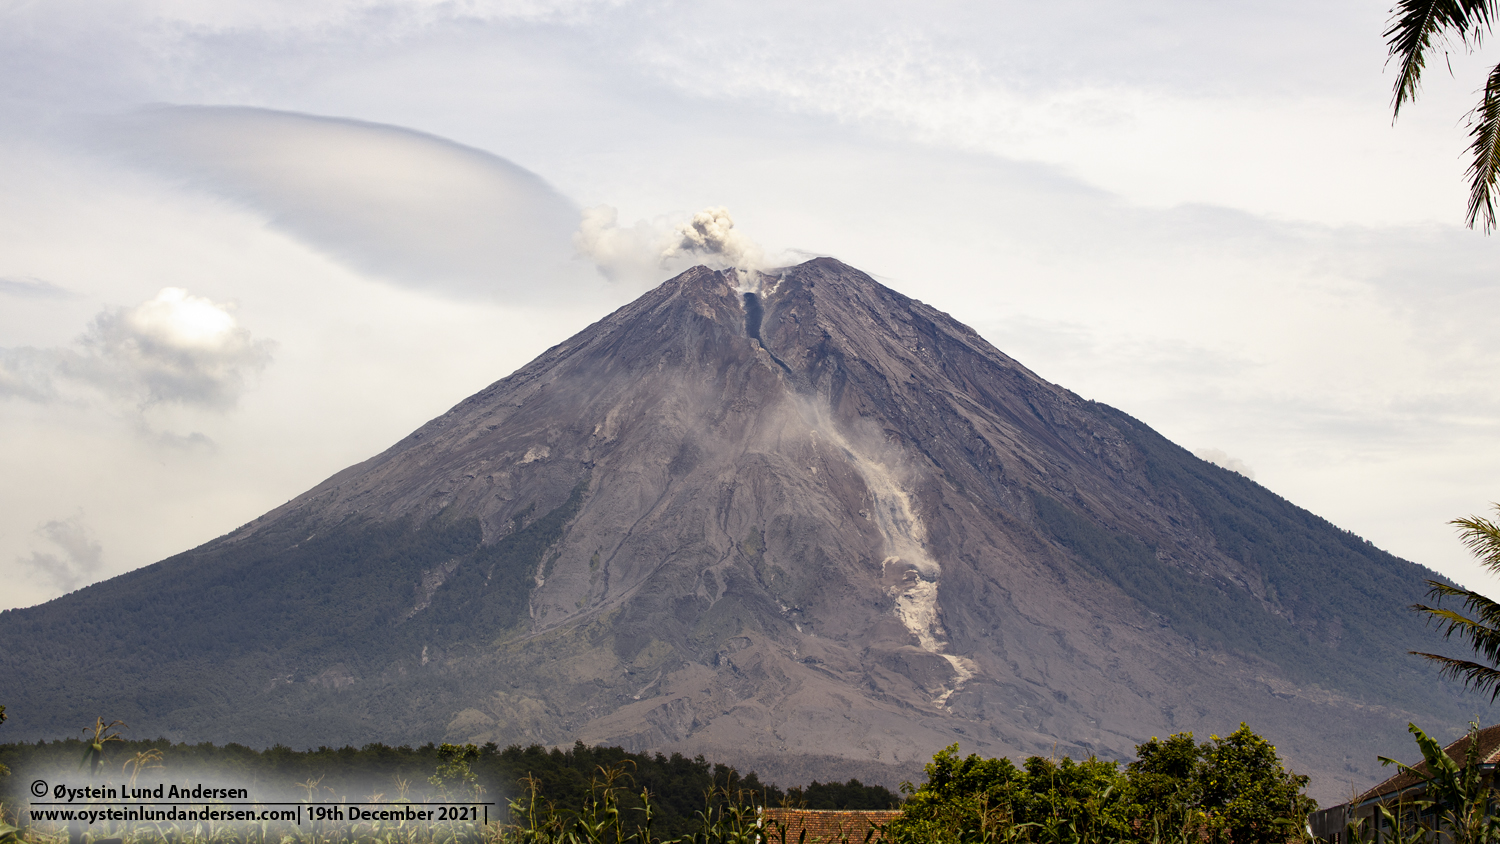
<point>1416,24</point>
<point>1484,165</point>
<point>1479,629</point>
<point>1483,610</point>
<point>1482,536</point>
<point>1480,678</point>
<point>1483,639</point>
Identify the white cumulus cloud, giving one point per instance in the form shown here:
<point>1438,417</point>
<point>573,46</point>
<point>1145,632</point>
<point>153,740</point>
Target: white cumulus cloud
<point>176,348</point>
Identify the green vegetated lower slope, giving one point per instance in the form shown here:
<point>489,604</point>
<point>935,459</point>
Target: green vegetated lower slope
<point>284,617</point>
<point>1333,611</point>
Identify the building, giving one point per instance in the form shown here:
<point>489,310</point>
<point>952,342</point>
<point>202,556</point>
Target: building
<point>825,826</point>
<point>1399,794</point>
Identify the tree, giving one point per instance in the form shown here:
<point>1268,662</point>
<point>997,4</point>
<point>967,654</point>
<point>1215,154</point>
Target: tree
<point>1251,796</point>
<point>1225,789</point>
<point>1231,790</point>
<point>1419,27</point>
<point>1478,624</point>
<point>1164,778</point>
<point>454,777</point>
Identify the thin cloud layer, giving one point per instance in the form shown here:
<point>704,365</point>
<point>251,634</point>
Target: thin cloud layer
<point>27,373</point>
<point>396,204</point>
<point>76,559</point>
<point>31,288</point>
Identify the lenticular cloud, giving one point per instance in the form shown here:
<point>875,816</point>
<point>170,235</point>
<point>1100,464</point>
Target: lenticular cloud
<point>393,203</point>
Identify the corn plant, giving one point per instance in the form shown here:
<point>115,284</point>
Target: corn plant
<point>93,751</point>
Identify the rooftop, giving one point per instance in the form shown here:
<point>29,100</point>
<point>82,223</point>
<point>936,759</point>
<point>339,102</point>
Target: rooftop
<point>825,826</point>
<point>1489,754</point>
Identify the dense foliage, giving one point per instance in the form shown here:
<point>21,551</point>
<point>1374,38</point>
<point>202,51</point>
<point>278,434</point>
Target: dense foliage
<point>1455,803</point>
<point>1232,789</point>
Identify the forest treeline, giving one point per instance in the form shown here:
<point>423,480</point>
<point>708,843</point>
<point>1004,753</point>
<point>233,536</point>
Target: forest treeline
<point>566,780</point>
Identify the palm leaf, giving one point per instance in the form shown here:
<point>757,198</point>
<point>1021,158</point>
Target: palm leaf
<point>1478,626</point>
<point>1480,678</point>
<point>1482,536</point>
<point>1417,23</point>
<point>1484,164</point>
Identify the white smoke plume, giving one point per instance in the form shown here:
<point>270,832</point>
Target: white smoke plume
<point>81,558</point>
<point>623,254</point>
<point>1223,460</point>
<point>174,349</point>
<point>711,235</point>
<point>646,250</point>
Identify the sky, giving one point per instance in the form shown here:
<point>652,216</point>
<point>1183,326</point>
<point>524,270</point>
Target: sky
<point>246,244</point>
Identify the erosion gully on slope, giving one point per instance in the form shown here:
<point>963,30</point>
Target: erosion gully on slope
<point>908,570</point>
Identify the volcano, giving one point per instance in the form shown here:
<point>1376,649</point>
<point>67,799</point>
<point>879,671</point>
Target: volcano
<point>790,520</point>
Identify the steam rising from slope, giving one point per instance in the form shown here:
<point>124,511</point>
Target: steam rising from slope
<point>1224,460</point>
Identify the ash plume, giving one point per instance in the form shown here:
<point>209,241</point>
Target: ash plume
<point>710,235</point>
<point>641,252</point>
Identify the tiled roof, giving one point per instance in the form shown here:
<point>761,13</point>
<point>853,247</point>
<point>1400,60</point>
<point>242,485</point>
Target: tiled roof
<point>826,826</point>
<point>1489,753</point>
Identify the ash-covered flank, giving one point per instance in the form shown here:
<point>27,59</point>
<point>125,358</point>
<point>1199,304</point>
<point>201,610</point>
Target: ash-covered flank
<point>821,532</point>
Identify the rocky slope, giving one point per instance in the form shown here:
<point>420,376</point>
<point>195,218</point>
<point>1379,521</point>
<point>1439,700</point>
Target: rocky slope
<point>821,528</point>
